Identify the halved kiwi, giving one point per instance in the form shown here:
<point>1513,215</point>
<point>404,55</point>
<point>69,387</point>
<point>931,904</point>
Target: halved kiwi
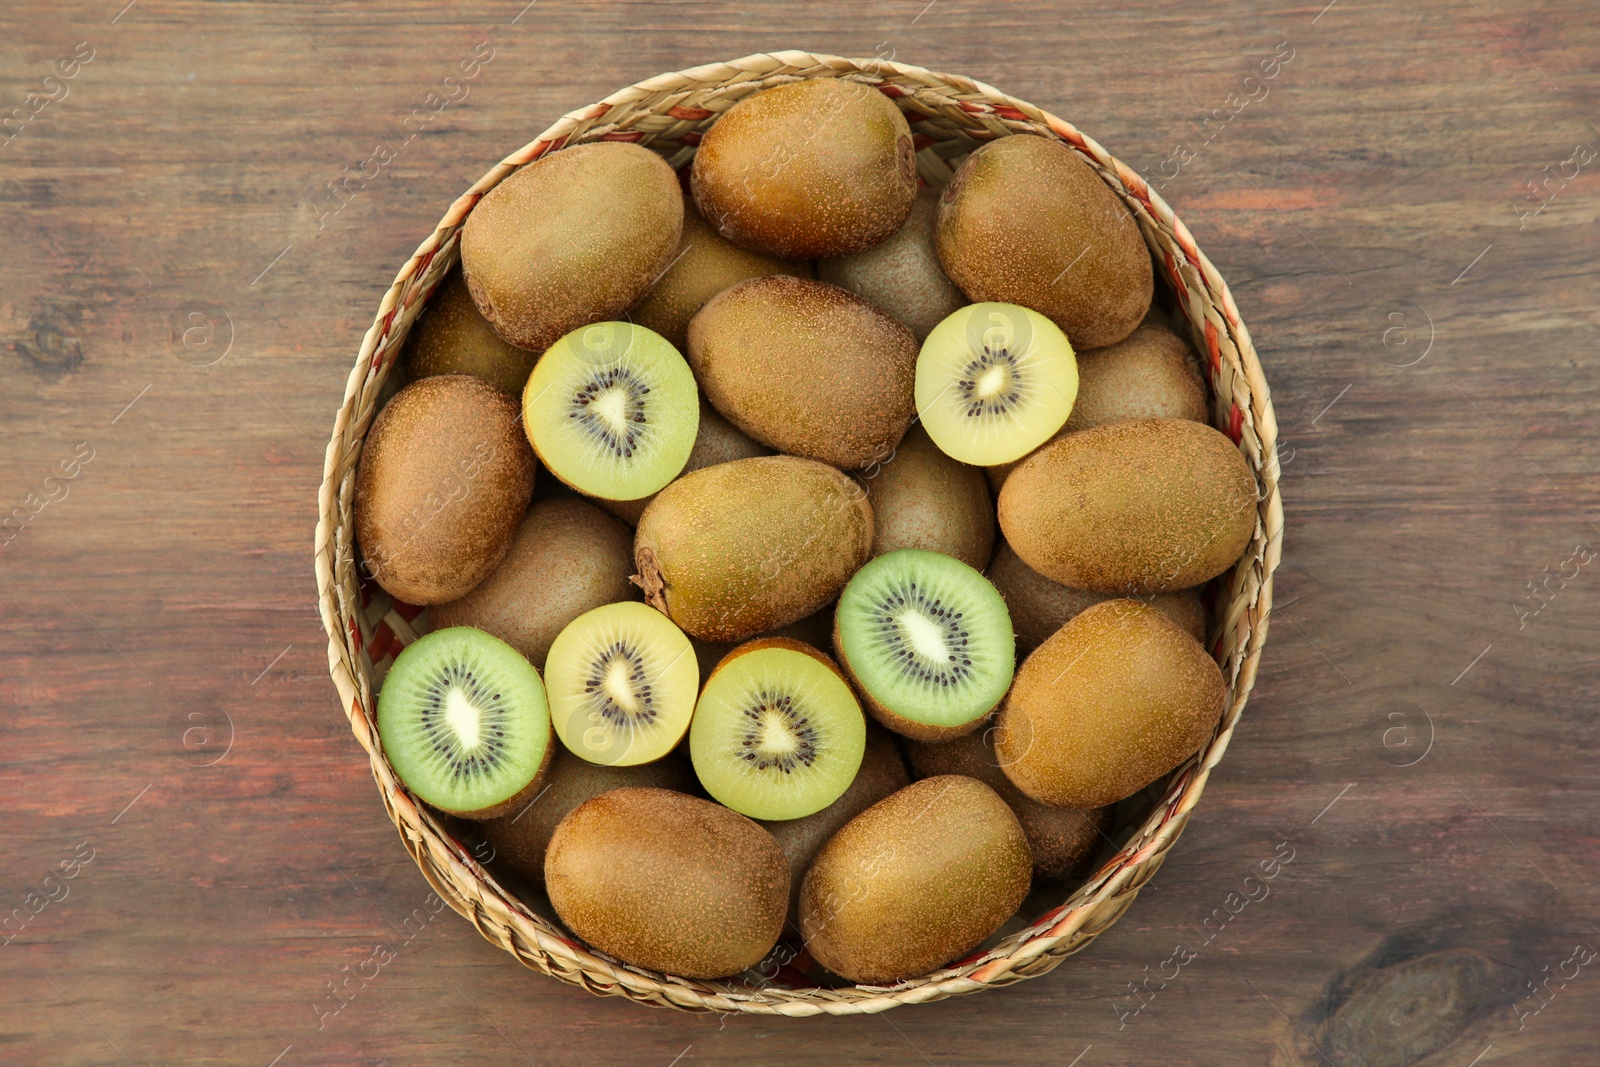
<point>612,410</point>
<point>464,723</point>
<point>622,681</point>
<point>927,640</point>
<point>777,733</point>
<point>994,382</point>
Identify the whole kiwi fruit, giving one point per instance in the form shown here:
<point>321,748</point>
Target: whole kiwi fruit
<point>705,264</point>
<point>444,479</point>
<point>1039,607</point>
<point>1061,839</point>
<point>567,556</point>
<point>716,441</point>
<point>1152,374</point>
<point>915,881</point>
<point>735,550</point>
<point>882,772</point>
<point>902,275</point>
<point>1142,506</point>
<point>668,882</point>
<point>1026,221</point>
<point>453,337</point>
<point>1116,698</point>
<point>822,167</point>
<point>521,838</point>
<point>575,237</point>
<point>806,368</point>
<point>921,498</point>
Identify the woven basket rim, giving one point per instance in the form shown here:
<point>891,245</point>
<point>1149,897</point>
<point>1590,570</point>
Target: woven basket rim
<point>978,111</point>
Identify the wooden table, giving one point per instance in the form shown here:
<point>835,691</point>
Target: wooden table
<point>181,304</point>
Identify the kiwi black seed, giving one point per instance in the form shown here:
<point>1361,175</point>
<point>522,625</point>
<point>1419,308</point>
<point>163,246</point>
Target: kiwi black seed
<point>464,723</point>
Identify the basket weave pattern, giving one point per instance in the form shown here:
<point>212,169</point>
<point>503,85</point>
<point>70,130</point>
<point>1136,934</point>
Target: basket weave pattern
<point>950,116</point>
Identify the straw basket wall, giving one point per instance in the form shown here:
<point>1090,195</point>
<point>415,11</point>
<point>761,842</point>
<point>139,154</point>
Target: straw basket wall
<point>950,117</point>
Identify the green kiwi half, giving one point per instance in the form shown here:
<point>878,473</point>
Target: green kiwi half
<point>928,640</point>
<point>464,723</point>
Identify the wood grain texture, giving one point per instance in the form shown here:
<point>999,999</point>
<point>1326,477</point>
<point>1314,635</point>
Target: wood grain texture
<point>157,608</point>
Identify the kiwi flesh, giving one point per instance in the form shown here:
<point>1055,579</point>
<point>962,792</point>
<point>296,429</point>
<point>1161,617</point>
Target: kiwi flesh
<point>777,732</point>
<point>716,441</point>
<point>1135,507</point>
<point>994,382</point>
<point>520,838</point>
<point>921,498</point>
<point>741,548</point>
<point>444,480</point>
<point>928,642</point>
<point>806,368</point>
<point>612,410</point>
<point>464,723</point>
<point>915,881</point>
<point>1061,839</point>
<point>1039,607</point>
<point>882,772</point>
<point>814,630</point>
<point>902,275</point>
<point>567,557</point>
<point>668,882</point>
<point>1152,374</point>
<point>575,237</point>
<point>1115,699</point>
<point>1025,220</point>
<point>622,681</point>
<point>705,264</point>
<point>822,167</point>
<point>453,337</point>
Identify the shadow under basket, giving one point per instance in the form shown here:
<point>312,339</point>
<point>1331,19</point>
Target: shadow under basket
<point>950,116</point>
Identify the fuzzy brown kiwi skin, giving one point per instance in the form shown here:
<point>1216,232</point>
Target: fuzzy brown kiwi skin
<point>668,882</point>
<point>568,556</point>
<point>915,881</point>
<point>916,731</point>
<point>1061,839</point>
<point>716,441</point>
<point>705,264</point>
<point>523,796</point>
<point>806,368</point>
<point>882,773</point>
<point>1117,698</point>
<point>453,337</point>
<point>823,167</point>
<point>1152,374</point>
<point>921,498</point>
<point>745,547</point>
<point>1019,212</point>
<point>814,630</point>
<point>575,237</point>
<point>1039,607</point>
<point>902,275</point>
<point>521,838</point>
<point>1154,505</point>
<point>445,477</point>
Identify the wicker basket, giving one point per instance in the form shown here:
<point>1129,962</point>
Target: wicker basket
<point>950,116</point>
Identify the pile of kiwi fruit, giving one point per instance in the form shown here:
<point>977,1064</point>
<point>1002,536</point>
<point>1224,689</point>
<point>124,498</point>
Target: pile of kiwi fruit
<point>810,555</point>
